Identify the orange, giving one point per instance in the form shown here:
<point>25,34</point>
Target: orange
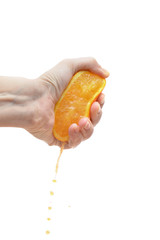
<point>75,102</point>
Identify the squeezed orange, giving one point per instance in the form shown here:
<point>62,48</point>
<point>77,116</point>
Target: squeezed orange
<point>75,102</point>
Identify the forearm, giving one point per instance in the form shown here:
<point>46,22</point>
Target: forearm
<point>15,101</point>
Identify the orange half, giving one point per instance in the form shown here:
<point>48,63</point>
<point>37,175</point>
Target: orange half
<point>75,102</point>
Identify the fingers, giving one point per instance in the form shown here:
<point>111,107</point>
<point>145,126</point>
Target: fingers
<point>90,64</point>
<point>96,109</point>
<point>86,127</point>
<point>96,113</point>
<point>80,132</point>
<point>101,99</point>
<point>75,136</point>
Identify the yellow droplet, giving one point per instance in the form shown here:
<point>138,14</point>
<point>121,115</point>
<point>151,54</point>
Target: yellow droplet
<point>48,219</point>
<point>47,232</point>
<point>54,180</point>
<point>51,193</point>
<point>49,208</point>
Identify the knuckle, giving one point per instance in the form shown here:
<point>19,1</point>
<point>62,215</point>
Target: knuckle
<point>96,121</point>
<point>50,143</point>
<point>90,133</point>
<point>71,144</point>
<point>93,60</point>
<point>66,61</point>
<point>75,141</point>
<point>87,133</point>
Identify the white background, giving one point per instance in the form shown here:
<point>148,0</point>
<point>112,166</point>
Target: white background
<point>111,181</point>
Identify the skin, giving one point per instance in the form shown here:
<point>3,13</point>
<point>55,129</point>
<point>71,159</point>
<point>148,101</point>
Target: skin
<point>29,103</point>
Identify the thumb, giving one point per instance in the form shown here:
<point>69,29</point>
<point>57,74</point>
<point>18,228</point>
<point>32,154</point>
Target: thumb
<point>90,64</point>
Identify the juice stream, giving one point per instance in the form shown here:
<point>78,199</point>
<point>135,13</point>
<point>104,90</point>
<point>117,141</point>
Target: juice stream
<point>54,181</point>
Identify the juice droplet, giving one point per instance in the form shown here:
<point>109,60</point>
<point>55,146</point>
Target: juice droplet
<point>54,181</point>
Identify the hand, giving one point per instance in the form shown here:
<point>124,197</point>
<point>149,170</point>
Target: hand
<point>51,85</point>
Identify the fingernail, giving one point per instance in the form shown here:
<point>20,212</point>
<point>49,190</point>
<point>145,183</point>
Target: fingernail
<point>87,125</point>
<point>102,101</point>
<point>99,110</point>
<point>106,72</point>
<point>75,129</point>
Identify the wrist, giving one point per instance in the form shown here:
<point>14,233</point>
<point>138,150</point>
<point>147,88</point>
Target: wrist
<point>51,81</point>
<point>16,102</point>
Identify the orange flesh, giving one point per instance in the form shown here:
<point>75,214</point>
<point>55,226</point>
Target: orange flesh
<point>76,101</point>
